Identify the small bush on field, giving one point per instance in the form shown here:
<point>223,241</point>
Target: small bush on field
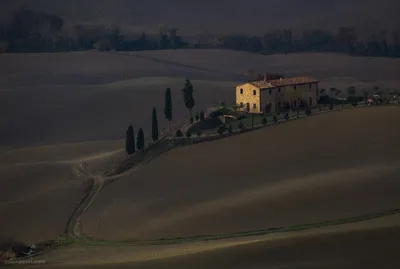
<point>308,112</point>
<point>199,133</point>
<point>221,129</point>
<point>241,126</point>
<point>230,128</point>
<point>264,121</point>
<point>286,116</point>
<point>275,119</point>
<point>188,134</point>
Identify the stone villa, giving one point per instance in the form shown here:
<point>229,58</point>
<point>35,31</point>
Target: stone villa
<point>269,95</point>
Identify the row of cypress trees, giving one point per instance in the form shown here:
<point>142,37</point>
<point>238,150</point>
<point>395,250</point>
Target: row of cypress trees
<point>131,144</point>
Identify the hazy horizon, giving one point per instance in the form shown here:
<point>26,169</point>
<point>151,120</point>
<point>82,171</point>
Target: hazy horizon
<point>251,17</point>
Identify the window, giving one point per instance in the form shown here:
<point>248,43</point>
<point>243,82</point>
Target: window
<point>254,92</point>
<point>270,91</point>
<point>241,104</point>
<point>254,106</point>
<point>241,91</point>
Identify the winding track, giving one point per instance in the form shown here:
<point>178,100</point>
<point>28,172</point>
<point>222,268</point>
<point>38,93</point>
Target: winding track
<point>95,183</point>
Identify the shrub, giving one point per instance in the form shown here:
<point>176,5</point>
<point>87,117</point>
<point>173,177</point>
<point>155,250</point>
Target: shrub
<point>199,133</point>
<point>308,112</point>
<point>354,105</point>
<point>286,116</point>
<point>179,133</point>
<point>324,100</point>
<point>188,134</point>
<point>275,119</point>
<point>221,129</point>
<point>241,125</point>
<point>191,120</point>
<point>319,109</point>
<point>264,121</point>
<point>230,128</point>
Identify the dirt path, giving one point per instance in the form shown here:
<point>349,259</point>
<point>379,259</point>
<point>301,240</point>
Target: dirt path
<point>93,186</point>
<point>95,183</point>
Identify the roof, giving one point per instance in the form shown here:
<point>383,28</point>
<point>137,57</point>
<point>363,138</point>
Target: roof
<point>269,84</point>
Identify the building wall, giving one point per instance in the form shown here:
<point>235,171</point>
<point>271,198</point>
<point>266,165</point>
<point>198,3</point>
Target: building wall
<point>289,94</point>
<point>248,97</point>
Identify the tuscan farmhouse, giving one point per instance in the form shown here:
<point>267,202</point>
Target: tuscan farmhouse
<point>272,95</point>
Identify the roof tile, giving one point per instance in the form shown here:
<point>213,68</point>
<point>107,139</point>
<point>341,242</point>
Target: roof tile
<point>268,84</point>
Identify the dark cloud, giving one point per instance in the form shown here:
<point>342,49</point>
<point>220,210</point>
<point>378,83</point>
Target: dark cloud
<point>250,16</point>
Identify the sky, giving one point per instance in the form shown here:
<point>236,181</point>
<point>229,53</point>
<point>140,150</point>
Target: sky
<point>213,16</point>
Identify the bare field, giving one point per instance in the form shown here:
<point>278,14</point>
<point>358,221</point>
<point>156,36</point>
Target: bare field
<point>62,153</point>
<point>48,100</point>
<point>62,114</point>
<point>312,170</point>
<point>88,96</point>
<point>334,70</point>
<point>36,201</point>
<point>352,245</point>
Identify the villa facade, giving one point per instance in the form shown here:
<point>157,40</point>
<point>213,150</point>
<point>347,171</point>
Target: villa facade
<point>272,95</point>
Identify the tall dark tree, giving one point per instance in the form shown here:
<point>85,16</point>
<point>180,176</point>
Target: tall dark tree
<point>202,117</point>
<point>168,107</point>
<point>188,96</point>
<point>140,140</point>
<point>154,125</point>
<point>130,141</point>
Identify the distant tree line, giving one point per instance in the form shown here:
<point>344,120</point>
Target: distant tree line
<point>30,31</point>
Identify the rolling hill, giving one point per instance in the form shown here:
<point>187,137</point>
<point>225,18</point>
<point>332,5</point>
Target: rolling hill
<point>313,170</point>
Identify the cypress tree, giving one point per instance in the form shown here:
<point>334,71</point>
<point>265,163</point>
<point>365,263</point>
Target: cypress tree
<point>130,140</point>
<point>188,96</point>
<point>202,115</point>
<point>140,140</point>
<point>168,107</point>
<point>154,125</point>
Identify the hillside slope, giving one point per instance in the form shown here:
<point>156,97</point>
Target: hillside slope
<point>312,170</point>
